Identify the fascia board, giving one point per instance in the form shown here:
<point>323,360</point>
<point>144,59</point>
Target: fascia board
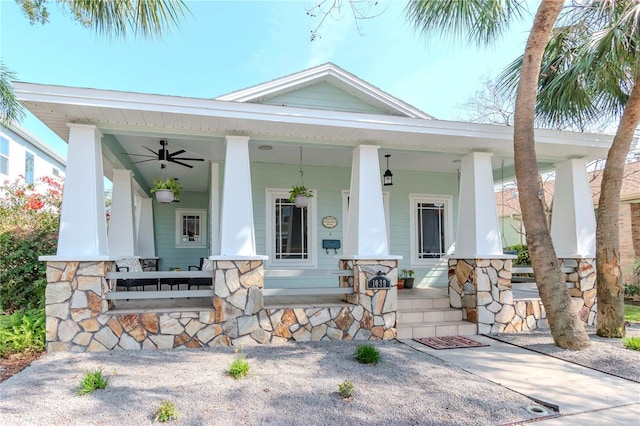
<point>96,98</point>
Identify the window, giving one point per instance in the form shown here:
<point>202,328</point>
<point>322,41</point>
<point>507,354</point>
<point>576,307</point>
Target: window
<point>55,172</point>
<point>4,156</point>
<point>28,167</point>
<point>431,230</point>
<point>291,231</point>
<point>191,228</point>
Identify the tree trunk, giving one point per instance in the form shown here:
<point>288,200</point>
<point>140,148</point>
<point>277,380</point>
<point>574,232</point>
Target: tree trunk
<point>610,287</point>
<point>567,330</point>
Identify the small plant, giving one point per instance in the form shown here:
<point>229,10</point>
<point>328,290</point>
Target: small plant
<point>408,273</point>
<point>346,389</point>
<point>632,343</point>
<point>367,354</point>
<point>299,190</point>
<point>239,367</point>
<point>166,411</point>
<point>92,380</point>
<point>171,184</point>
<point>22,332</point>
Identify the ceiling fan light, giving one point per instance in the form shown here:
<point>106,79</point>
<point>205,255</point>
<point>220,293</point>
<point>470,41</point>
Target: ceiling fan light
<point>163,162</point>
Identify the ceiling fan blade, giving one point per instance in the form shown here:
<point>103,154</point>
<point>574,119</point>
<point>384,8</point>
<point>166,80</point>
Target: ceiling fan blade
<point>188,159</point>
<point>144,161</point>
<point>141,155</point>
<point>150,150</point>
<point>173,154</point>
<point>182,164</point>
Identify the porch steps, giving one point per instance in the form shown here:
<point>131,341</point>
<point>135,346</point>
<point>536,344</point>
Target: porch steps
<point>426,313</point>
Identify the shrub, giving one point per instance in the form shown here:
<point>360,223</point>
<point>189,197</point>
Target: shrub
<point>367,354</point>
<point>632,343</point>
<point>92,380</point>
<point>239,367</point>
<point>523,254</point>
<point>29,216</point>
<point>166,411</point>
<point>22,332</point>
<point>346,389</point>
<point>631,290</point>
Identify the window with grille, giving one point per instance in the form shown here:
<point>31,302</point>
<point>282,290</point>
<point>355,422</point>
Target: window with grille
<point>290,232</point>
<point>431,232</point>
<point>191,228</point>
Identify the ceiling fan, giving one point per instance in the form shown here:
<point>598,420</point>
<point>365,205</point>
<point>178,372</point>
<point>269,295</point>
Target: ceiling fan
<point>164,157</point>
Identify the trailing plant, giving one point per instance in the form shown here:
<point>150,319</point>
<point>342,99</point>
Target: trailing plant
<point>346,389</point>
<point>22,332</point>
<point>29,217</point>
<point>367,354</point>
<point>92,380</point>
<point>166,411</point>
<point>171,184</point>
<point>299,190</point>
<point>632,343</point>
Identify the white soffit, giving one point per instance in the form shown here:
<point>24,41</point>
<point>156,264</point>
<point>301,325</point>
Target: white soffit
<point>333,75</point>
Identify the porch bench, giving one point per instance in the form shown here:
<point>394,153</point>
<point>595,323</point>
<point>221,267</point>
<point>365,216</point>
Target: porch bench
<point>307,273</point>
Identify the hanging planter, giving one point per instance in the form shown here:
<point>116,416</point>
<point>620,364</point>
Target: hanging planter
<point>166,190</point>
<point>299,194</point>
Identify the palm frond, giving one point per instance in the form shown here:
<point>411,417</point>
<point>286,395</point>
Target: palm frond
<point>10,109</point>
<point>478,21</point>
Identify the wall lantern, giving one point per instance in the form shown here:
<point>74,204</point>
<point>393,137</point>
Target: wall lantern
<point>388,176</point>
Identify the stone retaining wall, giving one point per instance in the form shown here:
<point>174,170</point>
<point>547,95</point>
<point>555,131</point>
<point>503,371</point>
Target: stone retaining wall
<point>78,317</point>
<point>582,287</point>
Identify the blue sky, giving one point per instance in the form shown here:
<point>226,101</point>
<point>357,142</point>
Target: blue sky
<point>227,46</point>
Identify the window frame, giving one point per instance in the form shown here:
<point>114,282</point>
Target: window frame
<point>271,194</point>
<point>4,156</point>
<point>414,200</point>
<point>202,214</point>
<point>29,175</point>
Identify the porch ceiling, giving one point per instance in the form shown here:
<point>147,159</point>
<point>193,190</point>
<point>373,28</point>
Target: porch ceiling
<point>199,125</point>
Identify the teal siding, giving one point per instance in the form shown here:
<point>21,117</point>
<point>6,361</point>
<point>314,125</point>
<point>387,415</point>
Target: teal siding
<point>164,223</point>
<point>328,182</point>
<point>512,231</point>
<point>323,96</point>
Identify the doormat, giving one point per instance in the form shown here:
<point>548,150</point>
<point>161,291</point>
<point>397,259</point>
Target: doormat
<point>449,342</point>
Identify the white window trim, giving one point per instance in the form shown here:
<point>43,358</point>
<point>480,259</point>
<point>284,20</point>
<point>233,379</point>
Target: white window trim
<point>7,155</point>
<point>345,212</point>
<point>312,233</point>
<point>414,199</point>
<point>203,228</point>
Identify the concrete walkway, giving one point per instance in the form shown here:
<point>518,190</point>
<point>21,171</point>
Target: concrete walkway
<point>583,396</point>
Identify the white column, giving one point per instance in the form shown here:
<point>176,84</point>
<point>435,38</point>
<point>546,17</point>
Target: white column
<point>214,208</point>
<point>83,230</point>
<point>573,221</point>
<point>122,232</point>
<point>237,232</point>
<point>366,236</point>
<point>478,228</point>
<point>146,235</point>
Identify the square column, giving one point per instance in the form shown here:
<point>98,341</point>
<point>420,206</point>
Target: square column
<point>83,229</point>
<point>366,235</point>
<point>146,235</point>
<point>573,220</point>
<point>122,232</point>
<point>478,227</point>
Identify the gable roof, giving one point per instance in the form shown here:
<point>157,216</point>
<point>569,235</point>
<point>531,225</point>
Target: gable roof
<point>337,77</point>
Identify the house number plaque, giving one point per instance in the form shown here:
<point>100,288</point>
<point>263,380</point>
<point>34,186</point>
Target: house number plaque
<point>379,281</point>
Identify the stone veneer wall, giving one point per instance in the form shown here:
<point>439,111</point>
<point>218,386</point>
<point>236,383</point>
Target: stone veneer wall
<point>78,317</point>
<point>582,287</point>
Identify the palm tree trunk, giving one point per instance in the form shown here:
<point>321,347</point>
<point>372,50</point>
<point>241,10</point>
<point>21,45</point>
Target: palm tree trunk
<point>610,287</point>
<point>566,329</point>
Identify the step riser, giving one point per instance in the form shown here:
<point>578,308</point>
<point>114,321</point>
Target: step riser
<point>440,303</point>
<point>426,330</point>
<point>429,316</point>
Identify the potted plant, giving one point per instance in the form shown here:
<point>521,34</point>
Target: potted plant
<point>166,190</point>
<point>300,195</point>
<point>409,276</point>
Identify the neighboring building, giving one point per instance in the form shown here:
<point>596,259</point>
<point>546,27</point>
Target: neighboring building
<point>22,154</point>
<point>236,158</point>
<point>512,228</point>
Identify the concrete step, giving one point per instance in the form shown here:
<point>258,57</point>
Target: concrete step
<point>429,315</point>
<point>436,329</point>
<point>423,303</point>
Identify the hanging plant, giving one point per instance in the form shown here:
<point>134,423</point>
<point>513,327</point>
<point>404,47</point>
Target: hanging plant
<point>166,190</point>
<point>300,194</point>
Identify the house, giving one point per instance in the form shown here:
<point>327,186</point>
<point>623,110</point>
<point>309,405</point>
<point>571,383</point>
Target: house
<point>513,232</point>
<point>22,154</point>
<point>237,157</point>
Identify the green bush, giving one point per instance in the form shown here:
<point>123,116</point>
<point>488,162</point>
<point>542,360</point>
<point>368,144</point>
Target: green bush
<point>92,380</point>
<point>631,290</point>
<point>346,389</point>
<point>166,411</point>
<point>523,254</point>
<point>29,216</point>
<point>632,343</point>
<point>239,367</point>
<point>367,354</point>
<point>22,332</point>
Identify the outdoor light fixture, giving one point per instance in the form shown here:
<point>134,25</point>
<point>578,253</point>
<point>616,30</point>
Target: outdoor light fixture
<point>388,176</point>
